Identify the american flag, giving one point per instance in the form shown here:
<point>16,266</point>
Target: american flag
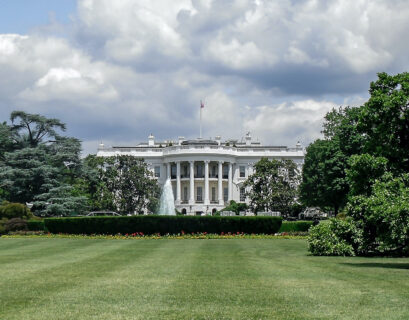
<point>201,104</point>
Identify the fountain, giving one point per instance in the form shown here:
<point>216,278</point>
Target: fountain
<point>167,201</point>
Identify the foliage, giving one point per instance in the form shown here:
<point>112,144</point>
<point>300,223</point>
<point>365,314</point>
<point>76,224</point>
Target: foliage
<point>11,210</point>
<point>163,225</point>
<point>295,226</point>
<point>363,171</point>
<point>236,207</point>
<point>40,164</point>
<point>334,238</point>
<point>34,129</point>
<point>384,120</point>
<point>121,183</point>
<point>6,139</point>
<point>384,216</point>
<point>341,126</point>
<point>323,179</point>
<point>15,224</point>
<point>36,225</point>
<point>273,186</point>
<point>60,201</point>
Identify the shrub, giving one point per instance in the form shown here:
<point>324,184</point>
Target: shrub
<point>335,238</point>
<point>163,225</point>
<point>36,225</point>
<point>384,216</point>
<point>2,225</point>
<point>11,210</point>
<point>295,226</point>
<point>15,224</point>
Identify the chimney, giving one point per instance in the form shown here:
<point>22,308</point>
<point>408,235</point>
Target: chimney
<point>151,140</point>
<point>181,139</point>
<point>218,139</point>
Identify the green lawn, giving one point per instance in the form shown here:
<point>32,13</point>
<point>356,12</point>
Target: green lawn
<point>194,279</point>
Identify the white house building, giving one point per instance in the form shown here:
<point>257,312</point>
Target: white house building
<point>205,174</point>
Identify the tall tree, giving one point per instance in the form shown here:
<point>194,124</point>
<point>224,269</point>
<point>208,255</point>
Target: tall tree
<point>384,120</point>
<point>273,186</point>
<point>33,129</point>
<point>123,183</point>
<point>324,181</point>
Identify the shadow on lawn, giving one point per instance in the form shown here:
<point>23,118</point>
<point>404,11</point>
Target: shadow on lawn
<point>387,265</point>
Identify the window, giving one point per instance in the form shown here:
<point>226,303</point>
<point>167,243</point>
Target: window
<point>225,194</point>
<point>213,194</point>
<point>213,172</point>
<point>199,197</point>
<point>199,171</point>
<point>185,172</point>
<point>225,172</point>
<point>173,171</point>
<point>157,171</point>
<point>242,194</point>
<point>242,171</point>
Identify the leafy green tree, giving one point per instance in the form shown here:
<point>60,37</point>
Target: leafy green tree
<point>26,173</point>
<point>33,129</point>
<point>342,125</point>
<point>383,216</point>
<point>122,183</point>
<point>273,186</point>
<point>60,201</point>
<point>324,181</point>
<point>40,164</point>
<point>6,139</point>
<point>363,172</point>
<point>384,120</point>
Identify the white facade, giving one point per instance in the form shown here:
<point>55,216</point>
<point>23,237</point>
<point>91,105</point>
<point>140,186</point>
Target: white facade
<point>205,174</point>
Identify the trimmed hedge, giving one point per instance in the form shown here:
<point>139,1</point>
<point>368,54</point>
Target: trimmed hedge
<point>163,225</point>
<point>296,226</point>
<point>36,225</point>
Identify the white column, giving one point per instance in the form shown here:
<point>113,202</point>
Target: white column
<point>168,170</point>
<point>192,182</point>
<point>206,195</point>
<point>230,193</point>
<point>178,187</point>
<point>220,183</point>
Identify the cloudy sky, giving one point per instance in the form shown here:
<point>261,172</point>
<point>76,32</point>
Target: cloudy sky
<point>116,71</point>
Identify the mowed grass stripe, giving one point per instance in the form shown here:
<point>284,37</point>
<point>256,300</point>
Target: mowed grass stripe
<point>201,279</point>
<point>324,288</point>
<point>117,285</point>
<point>221,285</point>
<point>88,261</point>
<point>40,253</point>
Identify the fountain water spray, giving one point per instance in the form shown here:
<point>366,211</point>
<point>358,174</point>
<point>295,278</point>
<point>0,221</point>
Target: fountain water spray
<point>167,201</point>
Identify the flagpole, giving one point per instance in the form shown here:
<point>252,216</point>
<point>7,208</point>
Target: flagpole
<point>201,107</point>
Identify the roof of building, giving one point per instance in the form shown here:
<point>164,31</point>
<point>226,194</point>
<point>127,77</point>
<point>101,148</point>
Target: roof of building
<point>199,142</point>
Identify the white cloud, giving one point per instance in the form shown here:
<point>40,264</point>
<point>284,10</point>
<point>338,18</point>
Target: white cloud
<point>128,68</point>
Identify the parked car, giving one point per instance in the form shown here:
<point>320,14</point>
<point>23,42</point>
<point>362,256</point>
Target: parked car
<point>102,213</point>
<point>312,213</point>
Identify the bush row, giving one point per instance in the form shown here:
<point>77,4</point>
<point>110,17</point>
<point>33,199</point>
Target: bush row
<point>296,226</point>
<point>36,225</point>
<point>163,225</point>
